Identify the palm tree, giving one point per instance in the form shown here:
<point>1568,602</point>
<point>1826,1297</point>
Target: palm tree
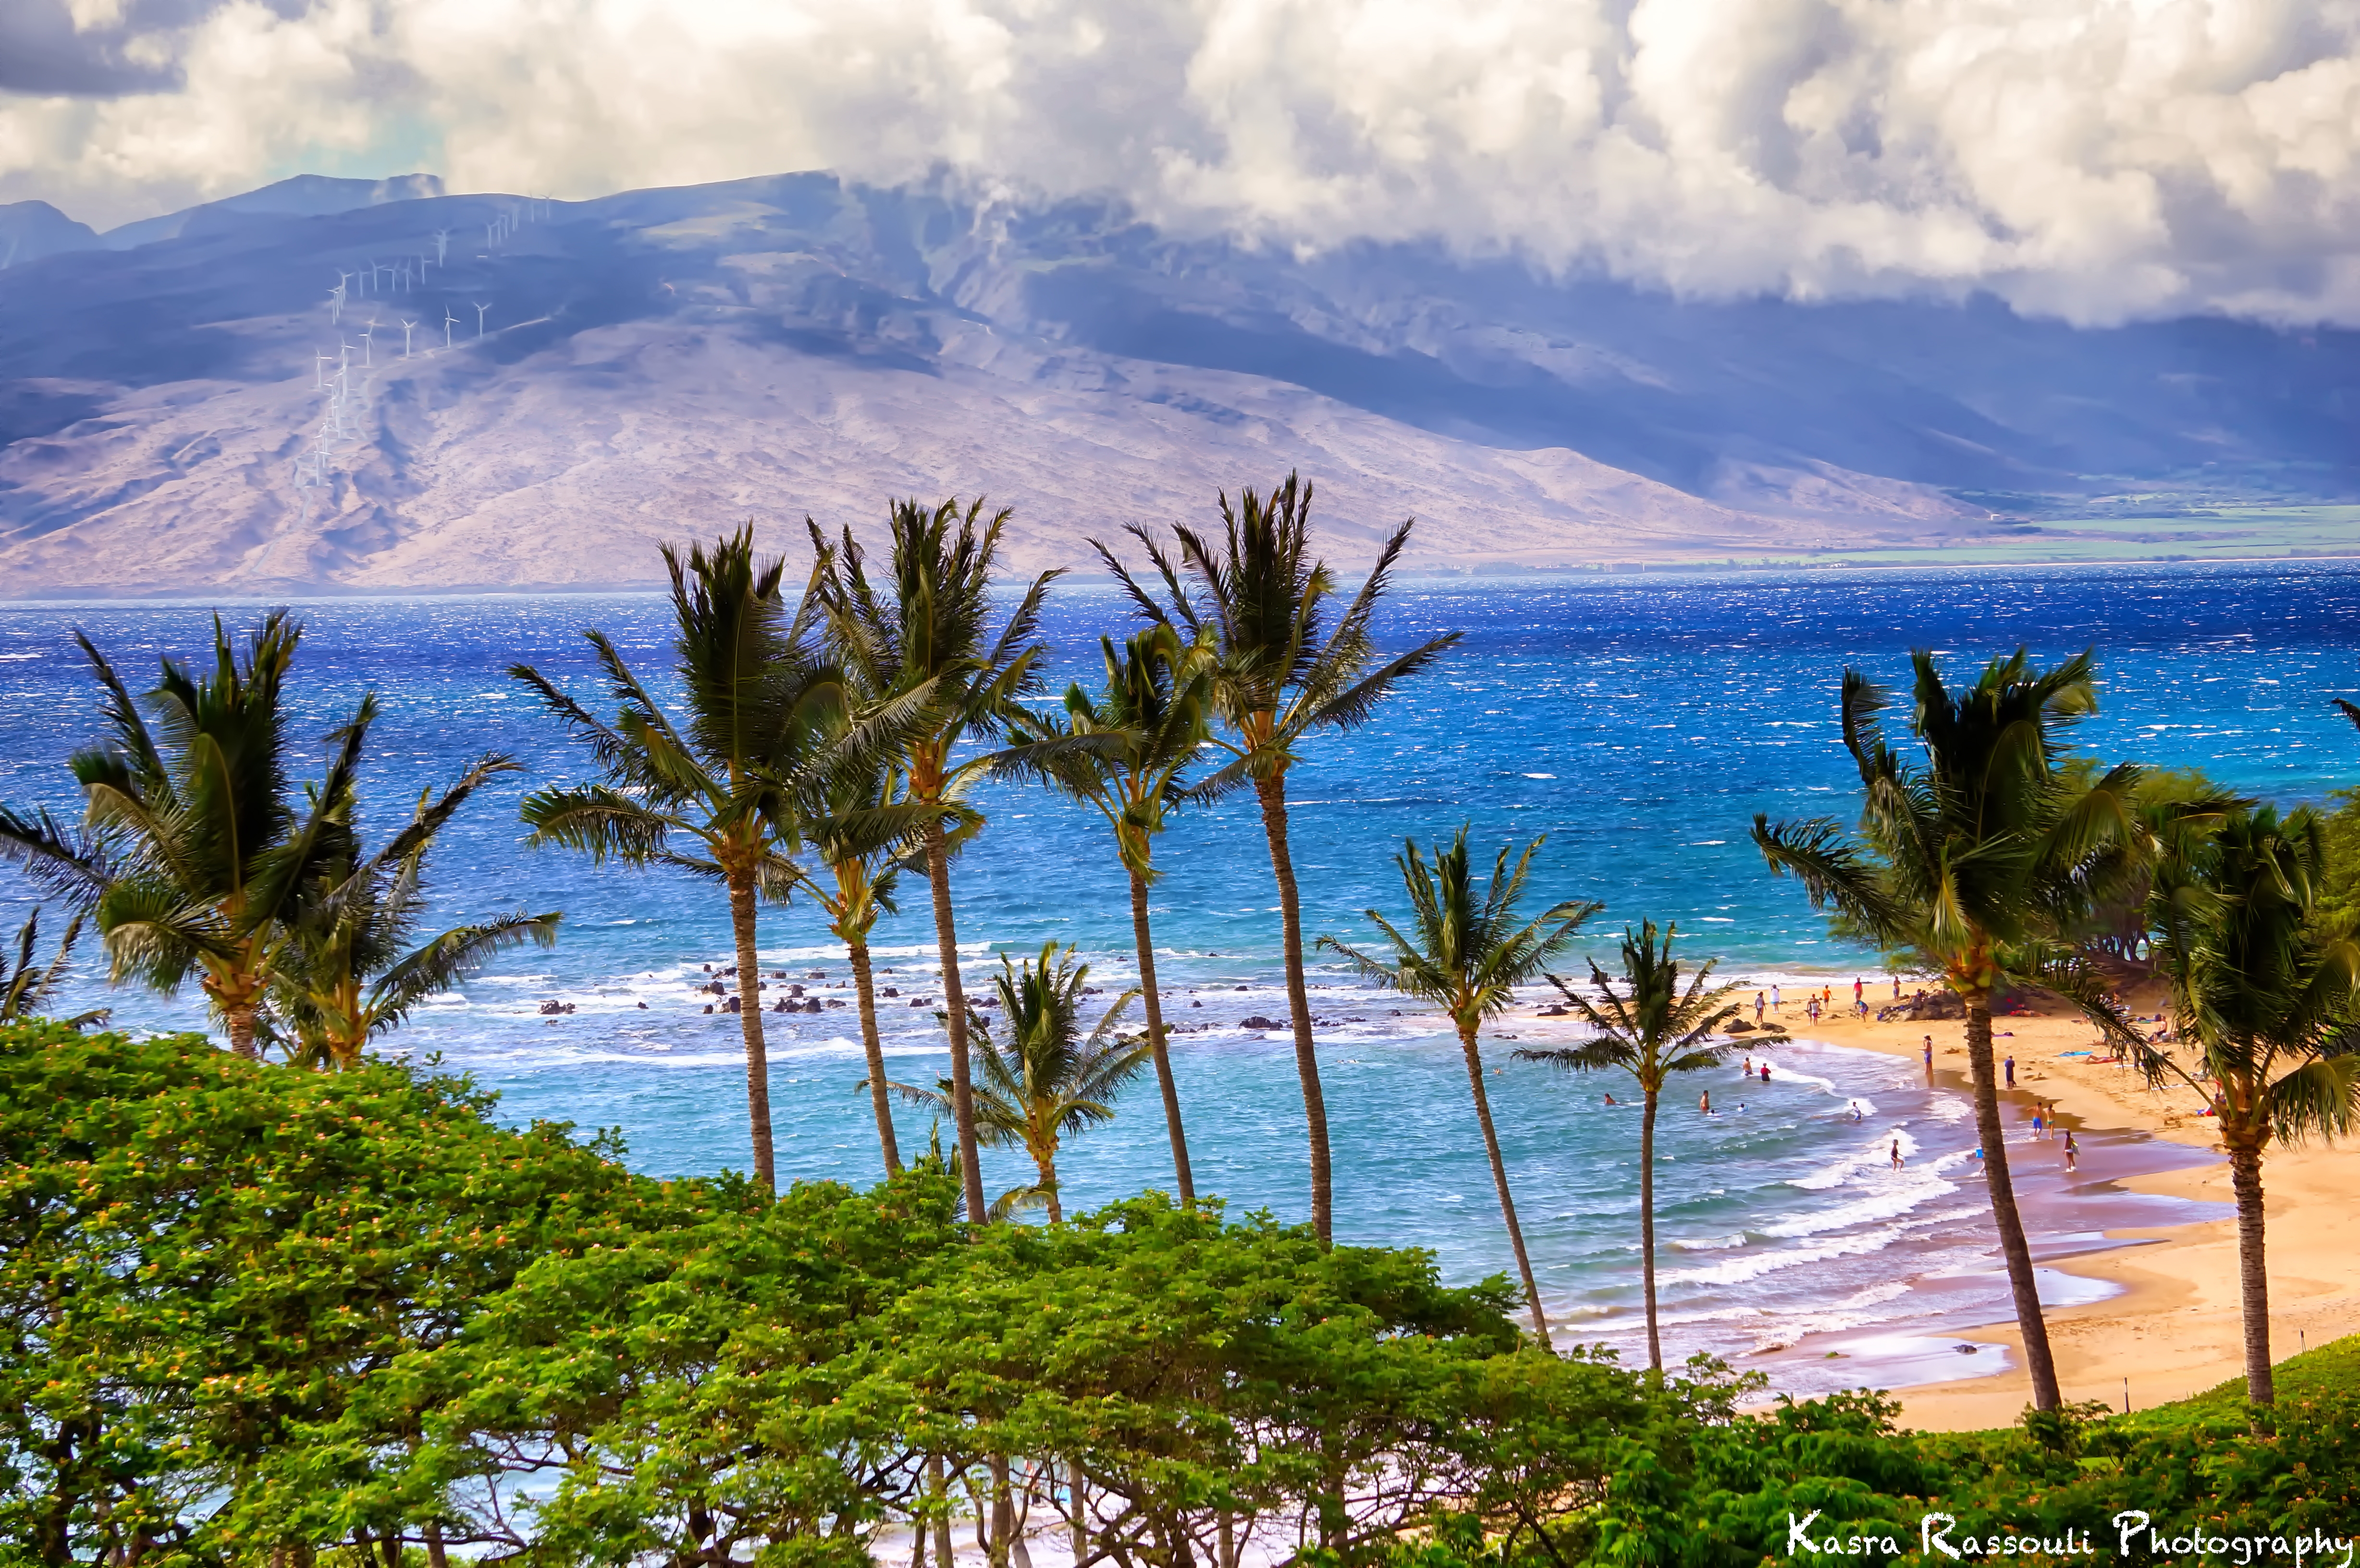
<point>923,656</point>
<point>1263,603</point>
<point>1982,861</point>
<point>863,842</point>
<point>1124,752</point>
<point>345,977</point>
<point>1470,954</point>
<point>26,987</point>
<point>2266,998</point>
<point>1651,1029</point>
<point>193,860</point>
<point>714,795</point>
<point>1048,1083</point>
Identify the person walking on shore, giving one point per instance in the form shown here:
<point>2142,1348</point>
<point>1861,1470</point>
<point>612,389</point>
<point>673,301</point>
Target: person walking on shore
<point>2011,1072</point>
<point>1929,1056</point>
<point>2073,1152</point>
<point>1896,1154</point>
<point>1757,1009</point>
<point>1775,1004</point>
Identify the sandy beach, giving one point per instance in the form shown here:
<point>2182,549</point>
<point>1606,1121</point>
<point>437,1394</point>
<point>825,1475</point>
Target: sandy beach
<point>2175,1329</point>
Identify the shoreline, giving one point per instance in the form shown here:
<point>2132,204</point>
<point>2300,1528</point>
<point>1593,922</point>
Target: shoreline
<point>2174,1326</point>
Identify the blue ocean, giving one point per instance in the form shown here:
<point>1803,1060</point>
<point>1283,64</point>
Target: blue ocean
<point>1638,721</point>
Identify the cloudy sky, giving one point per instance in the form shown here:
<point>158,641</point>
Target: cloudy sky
<point>2094,158</point>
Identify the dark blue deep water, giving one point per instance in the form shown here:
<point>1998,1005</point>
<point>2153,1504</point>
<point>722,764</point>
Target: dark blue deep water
<point>1638,721</point>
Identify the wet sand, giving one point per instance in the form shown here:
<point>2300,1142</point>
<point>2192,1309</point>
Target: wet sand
<point>2175,1328</point>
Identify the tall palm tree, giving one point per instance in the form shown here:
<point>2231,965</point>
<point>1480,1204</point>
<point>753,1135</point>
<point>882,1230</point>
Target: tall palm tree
<point>345,976</point>
<point>1266,604</point>
<point>1469,953</point>
<point>1125,753</point>
<point>862,842</point>
<point>26,987</point>
<point>925,660</point>
<point>712,796</point>
<point>1049,1082</point>
<point>1982,860</point>
<point>1652,1028</point>
<point>195,860</point>
<point>2266,998</point>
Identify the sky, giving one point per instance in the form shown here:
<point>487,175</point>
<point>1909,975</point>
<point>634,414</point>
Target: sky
<point>2094,159</point>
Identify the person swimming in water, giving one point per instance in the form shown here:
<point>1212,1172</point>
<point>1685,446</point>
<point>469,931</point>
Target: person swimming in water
<point>1704,1102</point>
<point>1766,1073</point>
<point>1610,1099</point>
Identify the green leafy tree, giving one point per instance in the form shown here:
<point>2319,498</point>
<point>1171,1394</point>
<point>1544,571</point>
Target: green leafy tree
<point>1126,753</point>
<point>1050,1082</point>
<point>714,795</point>
<point>1983,859</point>
<point>1469,954</point>
<point>349,971</point>
<point>2263,1002</point>
<point>921,649</point>
<point>1651,1029</point>
<point>26,986</point>
<point>1287,666</point>
<point>195,860</point>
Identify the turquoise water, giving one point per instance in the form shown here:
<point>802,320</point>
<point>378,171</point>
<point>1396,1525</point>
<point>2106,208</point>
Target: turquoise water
<point>1639,722</point>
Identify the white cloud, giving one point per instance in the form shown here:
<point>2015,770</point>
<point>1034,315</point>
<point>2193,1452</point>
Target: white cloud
<point>2095,159</point>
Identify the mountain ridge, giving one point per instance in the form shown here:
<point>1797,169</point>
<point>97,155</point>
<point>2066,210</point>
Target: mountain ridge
<point>666,362</point>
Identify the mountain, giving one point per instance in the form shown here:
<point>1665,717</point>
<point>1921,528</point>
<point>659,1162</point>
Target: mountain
<point>304,196</point>
<point>31,230</point>
<point>664,363</point>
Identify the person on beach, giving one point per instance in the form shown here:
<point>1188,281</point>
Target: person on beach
<point>1856,989</point>
<point>1757,1009</point>
<point>2073,1152</point>
<point>2040,1123</point>
<point>1896,1154</point>
<point>1775,1006</point>
<point>1929,1054</point>
<point>2011,1072</point>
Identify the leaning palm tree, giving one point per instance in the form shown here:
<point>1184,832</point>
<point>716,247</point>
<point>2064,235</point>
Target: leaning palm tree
<point>351,973</point>
<point>2266,1000</point>
<point>193,860</point>
<point>1125,753</point>
<point>26,987</point>
<point>1982,861</point>
<point>714,795</point>
<point>1264,604</point>
<point>920,649</point>
<point>862,842</point>
<point>1049,1082</point>
<point>1652,1028</point>
<point>1469,953</point>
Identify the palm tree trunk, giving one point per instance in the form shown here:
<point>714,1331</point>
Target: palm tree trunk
<point>2253,1262</point>
<point>1138,933</point>
<point>1500,1180</point>
<point>750,1022</point>
<point>240,1023</point>
<point>873,1045</point>
<point>1647,1225</point>
<point>938,877</point>
<point>1271,791</point>
<point>2013,1247</point>
<point>1048,1168</point>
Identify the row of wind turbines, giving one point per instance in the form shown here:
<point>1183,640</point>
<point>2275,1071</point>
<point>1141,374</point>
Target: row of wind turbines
<point>347,386</point>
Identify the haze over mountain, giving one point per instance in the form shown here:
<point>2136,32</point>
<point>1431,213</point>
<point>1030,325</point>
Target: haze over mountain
<point>666,362</point>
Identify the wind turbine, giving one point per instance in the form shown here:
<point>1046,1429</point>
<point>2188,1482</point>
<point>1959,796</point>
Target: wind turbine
<point>319,371</point>
<point>442,244</point>
<point>449,321</point>
<point>367,357</point>
<point>405,338</point>
<point>480,317</point>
